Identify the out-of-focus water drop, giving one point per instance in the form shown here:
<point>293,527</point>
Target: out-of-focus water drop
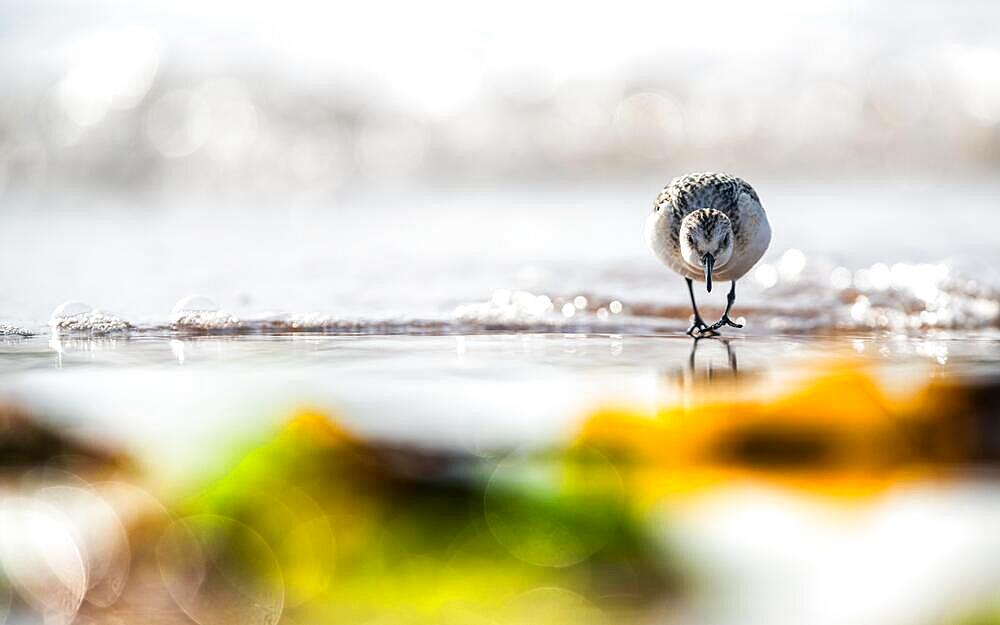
<point>792,263</point>
<point>860,310</point>
<point>551,511</point>
<point>766,275</point>
<point>41,558</point>
<point>100,536</point>
<point>879,276</point>
<point>109,69</point>
<point>840,278</point>
<point>221,572</point>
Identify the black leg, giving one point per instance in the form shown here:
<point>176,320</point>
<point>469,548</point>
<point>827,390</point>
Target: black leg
<point>725,320</point>
<point>699,326</point>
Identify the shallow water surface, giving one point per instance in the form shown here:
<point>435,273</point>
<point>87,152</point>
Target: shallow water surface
<point>498,390</point>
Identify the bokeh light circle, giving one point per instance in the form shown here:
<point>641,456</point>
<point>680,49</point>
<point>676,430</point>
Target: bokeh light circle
<point>221,572</point>
<point>554,511</point>
<point>101,537</point>
<point>132,504</point>
<point>551,606</point>
<point>41,558</point>
<point>299,533</point>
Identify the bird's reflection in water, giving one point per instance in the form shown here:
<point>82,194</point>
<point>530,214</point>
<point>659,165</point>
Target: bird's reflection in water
<point>708,366</point>
<point>733,369</point>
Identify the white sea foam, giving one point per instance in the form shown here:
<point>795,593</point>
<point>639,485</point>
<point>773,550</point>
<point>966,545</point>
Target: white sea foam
<point>798,294</point>
<point>7,329</point>
<point>198,313</point>
<point>78,318</point>
<point>794,293</point>
<point>506,307</point>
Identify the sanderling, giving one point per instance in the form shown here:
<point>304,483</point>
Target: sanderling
<point>708,227</point>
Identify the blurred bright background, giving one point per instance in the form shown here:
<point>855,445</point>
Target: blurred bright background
<point>252,100</point>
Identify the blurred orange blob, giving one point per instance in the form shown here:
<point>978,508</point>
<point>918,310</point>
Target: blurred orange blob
<point>838,433</point>
<point>308,424</point>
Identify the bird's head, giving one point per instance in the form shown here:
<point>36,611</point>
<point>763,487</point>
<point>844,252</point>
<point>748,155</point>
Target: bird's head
<point>706,238</point>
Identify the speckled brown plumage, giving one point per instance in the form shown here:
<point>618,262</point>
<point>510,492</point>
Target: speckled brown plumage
<point>709,203</point>
<point>688,193</point>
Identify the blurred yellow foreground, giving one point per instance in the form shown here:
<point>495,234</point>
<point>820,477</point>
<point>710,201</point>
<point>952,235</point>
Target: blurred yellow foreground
<point>319,526</point>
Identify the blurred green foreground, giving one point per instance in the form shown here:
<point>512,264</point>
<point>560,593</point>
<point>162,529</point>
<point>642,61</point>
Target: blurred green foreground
<point>316,525</point>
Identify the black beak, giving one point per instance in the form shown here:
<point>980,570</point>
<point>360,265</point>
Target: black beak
<point>709,262</point>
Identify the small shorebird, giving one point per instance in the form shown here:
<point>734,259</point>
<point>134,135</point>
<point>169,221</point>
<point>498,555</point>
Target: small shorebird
<point>708,227</point>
